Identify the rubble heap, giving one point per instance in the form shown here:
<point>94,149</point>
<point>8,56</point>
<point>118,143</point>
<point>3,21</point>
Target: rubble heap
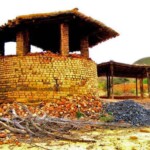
<point>54,119</point>
<point>89,106</point>
<point>129,111</point>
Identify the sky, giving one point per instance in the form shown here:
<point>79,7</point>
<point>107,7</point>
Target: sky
<point>130,18</point>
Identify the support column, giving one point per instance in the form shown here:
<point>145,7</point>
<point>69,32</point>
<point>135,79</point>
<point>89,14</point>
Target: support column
<point>64,40</point>
<point>84,47</point>
<point>148,83</point>
<point>136,87</point>
<point>23,42</point>
<point>2,52</point>
<point>141,87</point>
<point>112,82</point>
<point>108,86</point>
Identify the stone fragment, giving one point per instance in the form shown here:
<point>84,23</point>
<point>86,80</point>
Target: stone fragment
<point>129,111</point>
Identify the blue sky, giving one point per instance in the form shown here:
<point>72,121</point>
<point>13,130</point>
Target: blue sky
<point>130,18</point>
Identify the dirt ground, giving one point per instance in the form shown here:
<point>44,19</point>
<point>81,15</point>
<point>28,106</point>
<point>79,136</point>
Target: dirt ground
<point>116,136</point>
<point>106,138</point>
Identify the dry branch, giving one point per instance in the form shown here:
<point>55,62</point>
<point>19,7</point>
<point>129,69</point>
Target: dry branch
<point>35,125</point>
<point>15,130</point>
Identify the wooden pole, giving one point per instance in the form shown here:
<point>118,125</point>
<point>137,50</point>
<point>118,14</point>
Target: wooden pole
<point>136,87</point>
<point>141,87</point>
<point>148,83</point>
<point>108,86</point>
<point>112,83</point>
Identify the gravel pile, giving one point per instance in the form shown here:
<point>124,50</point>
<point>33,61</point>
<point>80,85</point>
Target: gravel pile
<point>129,111</point>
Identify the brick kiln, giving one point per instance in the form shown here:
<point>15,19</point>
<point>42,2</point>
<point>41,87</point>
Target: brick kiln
<point>55,72</point>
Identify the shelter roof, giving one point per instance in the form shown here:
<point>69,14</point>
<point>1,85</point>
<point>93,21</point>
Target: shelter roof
<point>122,70</point>
<point>45,33</point>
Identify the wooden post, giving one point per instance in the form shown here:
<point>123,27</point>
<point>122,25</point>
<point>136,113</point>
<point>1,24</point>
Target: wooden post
<point>2,48</point>
<point>141,87</point>
<point>112,83</point>
<point>23,42</point>
<point>148,83</point>
<point>64,46</point>
<point>84,47</point>
<point>136,87</point>
<point>108,86</point>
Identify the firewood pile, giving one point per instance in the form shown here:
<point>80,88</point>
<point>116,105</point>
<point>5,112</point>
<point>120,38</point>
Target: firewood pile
<point>49,119</point>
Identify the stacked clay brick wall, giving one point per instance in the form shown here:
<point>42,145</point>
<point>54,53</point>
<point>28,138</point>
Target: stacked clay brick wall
<point>84,46</point>
<point>64,39</point>
<point>34,78</point>
<point>22,40</point>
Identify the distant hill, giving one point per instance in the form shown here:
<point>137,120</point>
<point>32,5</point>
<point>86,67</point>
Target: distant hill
<point>143,61</point>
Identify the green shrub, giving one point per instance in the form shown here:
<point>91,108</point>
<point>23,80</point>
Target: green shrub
<point>144,81</point>
<point>79,114</point>
<point>107,117</point>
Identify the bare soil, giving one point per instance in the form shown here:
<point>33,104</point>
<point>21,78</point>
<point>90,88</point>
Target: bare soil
<point>113,136</point>
<point>106,138</point>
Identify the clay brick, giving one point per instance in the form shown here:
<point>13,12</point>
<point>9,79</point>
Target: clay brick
<point>29,81</point>
<point>84,44</point>
<point>64,46</point>
<point>22,40</point>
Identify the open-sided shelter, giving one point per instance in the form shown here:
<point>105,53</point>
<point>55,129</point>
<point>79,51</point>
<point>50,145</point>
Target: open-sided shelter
<point>44,76</point>
<point>115,69</point>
